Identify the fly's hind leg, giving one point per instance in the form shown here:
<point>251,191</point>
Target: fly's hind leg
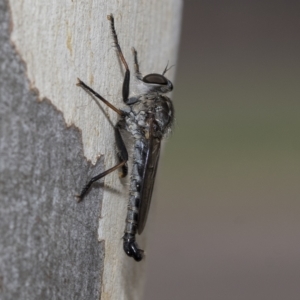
<point>126,82</point>
<point>122,151</point>
<point>91,91</point>
<point>123,156</point>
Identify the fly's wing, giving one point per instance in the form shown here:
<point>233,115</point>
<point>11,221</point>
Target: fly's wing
<point>148,179</point>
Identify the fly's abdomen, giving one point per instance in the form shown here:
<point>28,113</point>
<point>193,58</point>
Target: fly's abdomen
<point>131,226</point>
<point>139,157</point>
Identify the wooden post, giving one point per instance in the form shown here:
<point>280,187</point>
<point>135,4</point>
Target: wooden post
<point>54,137</point>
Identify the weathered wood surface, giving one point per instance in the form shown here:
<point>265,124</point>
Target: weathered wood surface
<point>50,134</point>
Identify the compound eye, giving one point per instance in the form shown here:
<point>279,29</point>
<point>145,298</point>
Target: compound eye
<point>155,79</point>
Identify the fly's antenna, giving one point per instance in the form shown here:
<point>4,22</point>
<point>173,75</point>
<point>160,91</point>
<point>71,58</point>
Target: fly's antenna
<point>167,69</point>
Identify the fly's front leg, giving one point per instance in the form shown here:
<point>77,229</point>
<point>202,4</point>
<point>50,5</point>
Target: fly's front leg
<point>126,82</point>
<point>123,155</point>
<point>138,74</point>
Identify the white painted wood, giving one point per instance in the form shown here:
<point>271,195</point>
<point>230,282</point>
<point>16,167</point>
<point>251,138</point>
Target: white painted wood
<point>62,40</point>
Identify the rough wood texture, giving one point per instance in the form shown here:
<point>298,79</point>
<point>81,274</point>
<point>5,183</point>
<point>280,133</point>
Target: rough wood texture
<point>49,244</point>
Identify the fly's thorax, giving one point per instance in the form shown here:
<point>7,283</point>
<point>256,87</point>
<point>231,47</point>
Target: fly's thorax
<point>151,104</point>
<point>136,124</point>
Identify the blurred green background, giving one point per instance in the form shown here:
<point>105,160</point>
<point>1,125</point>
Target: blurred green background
<point>225,222</point>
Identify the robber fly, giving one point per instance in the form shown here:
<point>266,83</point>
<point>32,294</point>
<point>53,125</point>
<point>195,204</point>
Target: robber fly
<point>146,117</point>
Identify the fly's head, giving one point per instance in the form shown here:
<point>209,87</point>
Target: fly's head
<point>156,83</point>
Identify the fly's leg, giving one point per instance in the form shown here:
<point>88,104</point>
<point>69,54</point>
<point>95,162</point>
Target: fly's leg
<point>88,185</point>
<point>122,151</point>
<point>123,156</point>
<point>138,74</point>
<point>91,91</point>
<point>126,82</point>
